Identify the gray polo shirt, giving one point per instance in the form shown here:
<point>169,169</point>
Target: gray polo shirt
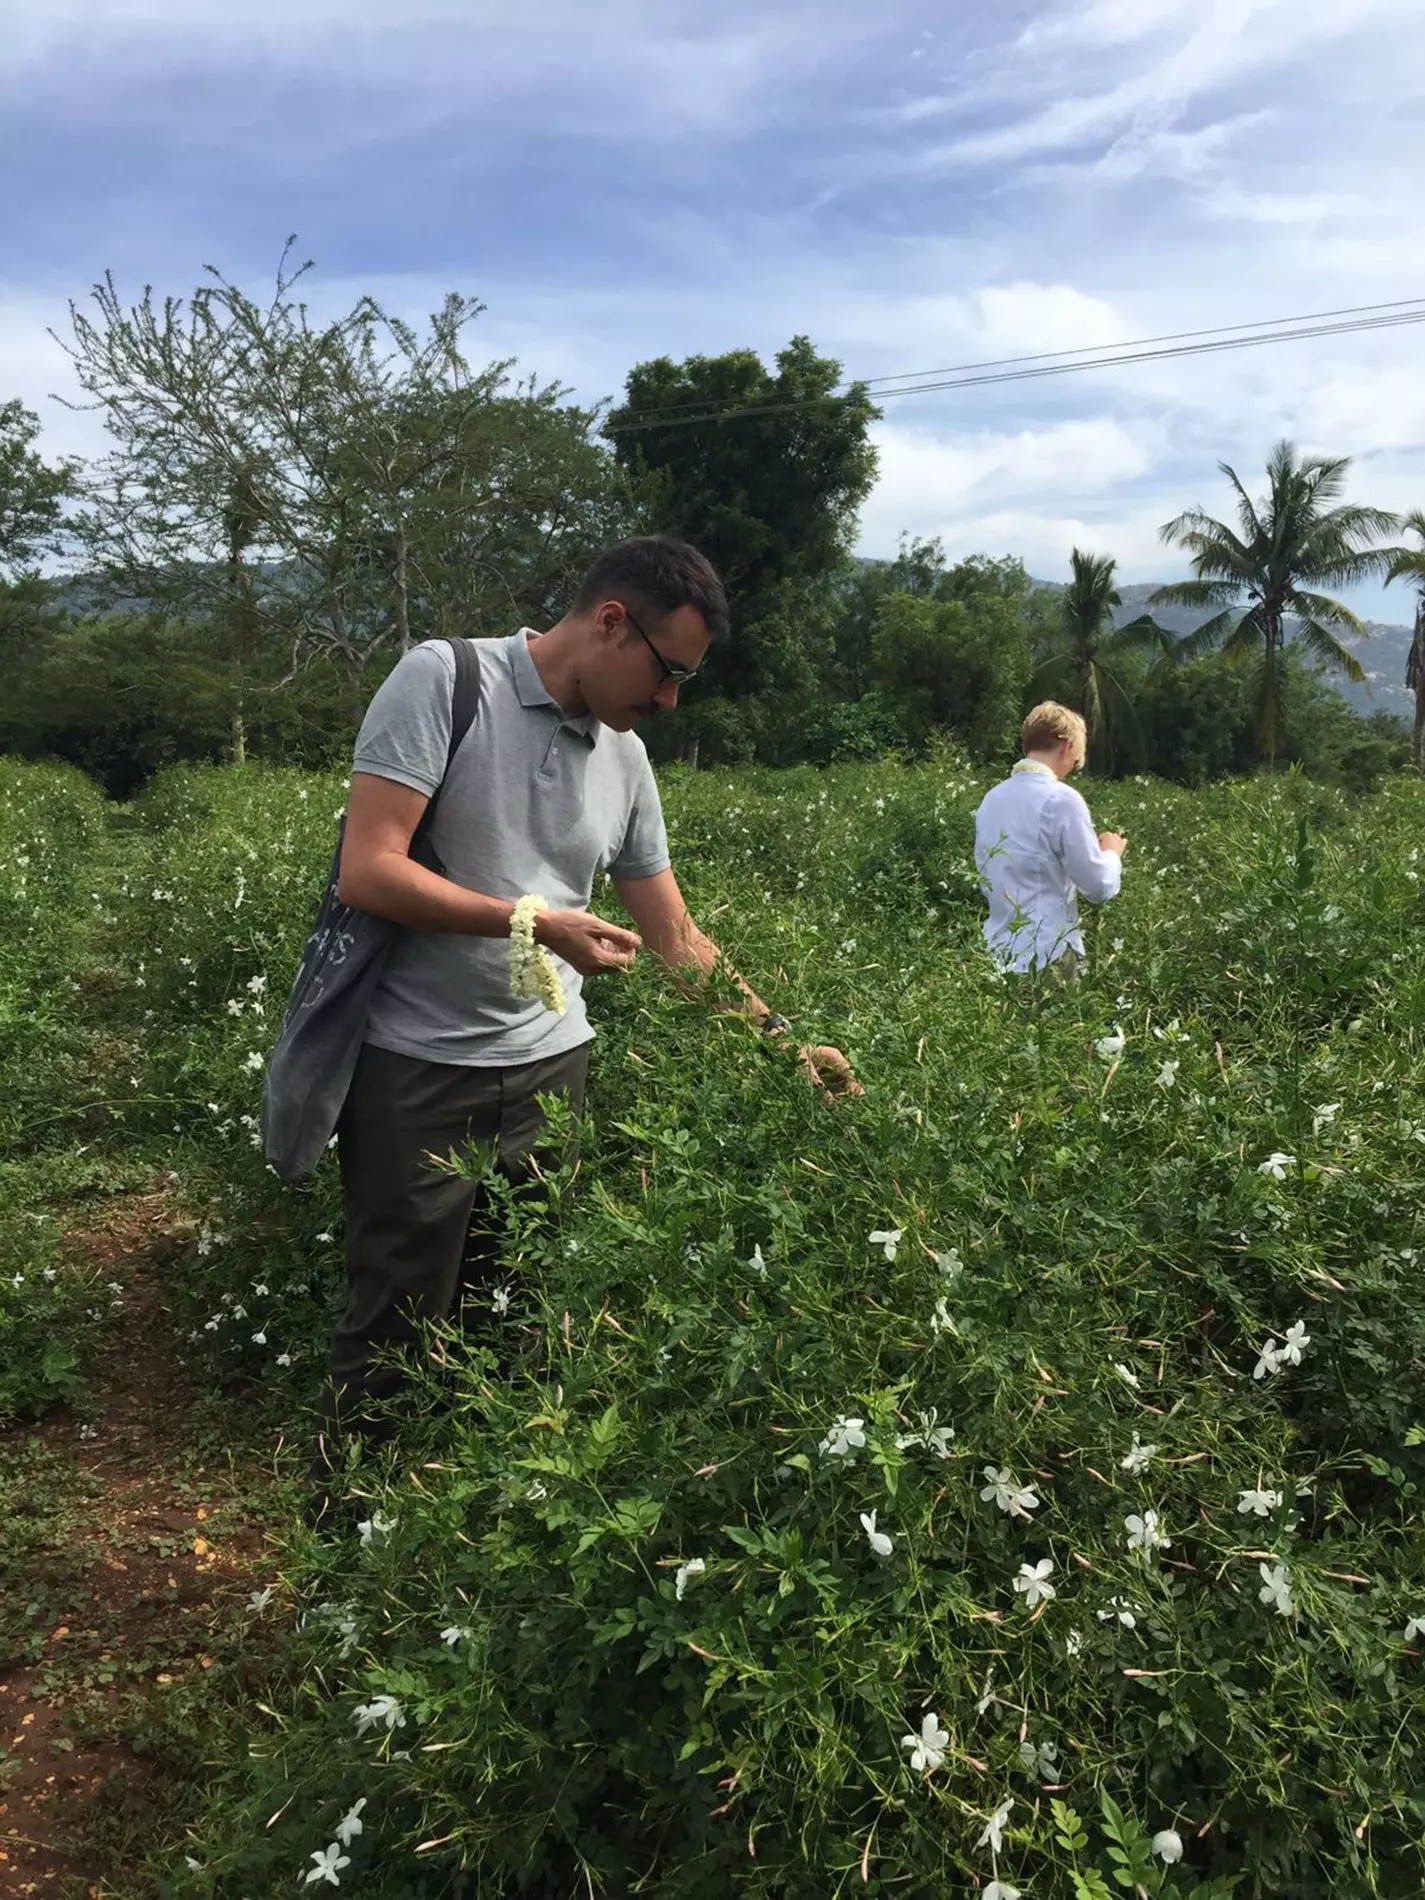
<point>534,801</point>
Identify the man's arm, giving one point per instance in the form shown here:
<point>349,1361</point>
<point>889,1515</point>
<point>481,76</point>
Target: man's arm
<point>1096,870</point>
<point>667,927</point>
<point>377,874</point>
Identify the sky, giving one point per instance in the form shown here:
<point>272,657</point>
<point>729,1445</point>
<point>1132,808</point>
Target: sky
<point>912,186</point>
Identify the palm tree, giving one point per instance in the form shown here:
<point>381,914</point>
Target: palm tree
<point>1264,575</point>
<point>1411,562</point>
<point>1081,672</point>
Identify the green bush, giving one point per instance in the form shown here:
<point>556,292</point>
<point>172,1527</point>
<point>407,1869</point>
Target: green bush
<point>1095,1246</point>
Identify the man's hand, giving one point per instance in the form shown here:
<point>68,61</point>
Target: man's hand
<point>1112,841</point>
<point>586,941</point>
<point>829,1069</point>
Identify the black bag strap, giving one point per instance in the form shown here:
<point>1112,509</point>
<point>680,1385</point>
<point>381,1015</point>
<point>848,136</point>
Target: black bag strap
<point>464,704</point>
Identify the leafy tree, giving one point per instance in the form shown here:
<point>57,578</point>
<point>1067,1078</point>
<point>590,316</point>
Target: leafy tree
<point>344,488</point>
<point>32,492</point>
<point>1263,576</point>
<point>1082,673</point>
<point>1409,564</point>
<point>765,473</point>
<point>954,666</point>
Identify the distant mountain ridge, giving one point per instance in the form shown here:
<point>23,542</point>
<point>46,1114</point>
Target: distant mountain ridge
<point>1383,654</point>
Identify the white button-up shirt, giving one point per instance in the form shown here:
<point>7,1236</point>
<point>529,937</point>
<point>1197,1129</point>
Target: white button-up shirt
<point>1035,848</point>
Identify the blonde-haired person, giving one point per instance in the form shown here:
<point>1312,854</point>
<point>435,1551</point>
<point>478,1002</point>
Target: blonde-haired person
<point>1036,852</point>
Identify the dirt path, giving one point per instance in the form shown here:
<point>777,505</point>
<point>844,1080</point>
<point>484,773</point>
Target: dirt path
<point>133,1528</point>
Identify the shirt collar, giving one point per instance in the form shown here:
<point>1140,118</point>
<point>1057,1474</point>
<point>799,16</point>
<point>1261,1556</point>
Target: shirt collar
<point>533,692</point>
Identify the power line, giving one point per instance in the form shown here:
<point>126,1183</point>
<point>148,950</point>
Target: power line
<point>1143,343</point>
<point>1057,363</point>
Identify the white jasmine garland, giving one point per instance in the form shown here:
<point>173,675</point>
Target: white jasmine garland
<point>532,971</point>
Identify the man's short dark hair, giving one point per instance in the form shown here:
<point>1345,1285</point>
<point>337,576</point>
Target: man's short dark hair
<point>656,575</point>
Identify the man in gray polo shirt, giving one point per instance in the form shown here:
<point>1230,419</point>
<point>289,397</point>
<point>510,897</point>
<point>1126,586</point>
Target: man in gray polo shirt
<point>549,787</point>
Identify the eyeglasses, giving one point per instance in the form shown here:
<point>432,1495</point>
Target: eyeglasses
<point>677,675</point>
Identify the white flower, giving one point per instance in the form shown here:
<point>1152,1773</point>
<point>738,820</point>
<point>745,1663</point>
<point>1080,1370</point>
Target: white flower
<point>940,1320</point>
<point>349,1826</point>
<point>453,1635</point>
<point>1126,1373</point>
<point>260,1599</point>
<point>233,1006</point>
<point>1263,1503</point>
<point>1073,1643</point>
<point>1276,1166</point>
<point>382,1708</point>
<point>259,1339</point>
<point>881,1545</point>
<point>1138,1457</point>
<point>1000,1890</point>
<point>500,1300</point>
<point>1296,1341</point>
<point>1144,1534</point>
<point>1110,1046</point>
<point>1268,1359</point>
<point>1276,1588</point>
<point>1167,1075</point>
<point>987,1693</point>
<point>329,1862</point>
<point>694,1567</point>
<point>1168,1846</point>
<point>1121,1608</point>
<point>253,1062</point>
<point>1042,1761</point>
<point>1032,1582</point>
<point>284,1358</point>
<point>1323,1116</point>
<point>928,1748</point>
<point>888,1238</point>
<point>1014,1500</point>
<point>757,1263</point>
<point>949,1263</point>
<point>1414,1628</point>
<point>993,1836</point>
<point>375,1526</point>
<point>326,1236</point>
<point>846,1437</point>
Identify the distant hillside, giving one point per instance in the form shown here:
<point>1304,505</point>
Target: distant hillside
<point>1383,654</point>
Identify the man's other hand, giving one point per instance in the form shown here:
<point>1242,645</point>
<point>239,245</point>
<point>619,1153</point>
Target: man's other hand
<point>586,941</point>
<point>829,1069</point>
<point>1112,841</point>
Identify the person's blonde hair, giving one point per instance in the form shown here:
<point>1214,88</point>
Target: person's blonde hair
<point>1049,725</point>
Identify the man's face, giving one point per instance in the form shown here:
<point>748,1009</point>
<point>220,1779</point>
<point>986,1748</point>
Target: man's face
<point>640,661</point>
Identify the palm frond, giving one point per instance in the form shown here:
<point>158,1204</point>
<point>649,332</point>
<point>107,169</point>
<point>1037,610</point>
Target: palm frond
<point>1308,606</point>
<point>1204,638</point>
<point>1243,640</point>
<point>1195,594</point>
<point>1121,721</point>
<point>1050,680</point>
<point>1324,646</point>
<point>1143,635</point>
